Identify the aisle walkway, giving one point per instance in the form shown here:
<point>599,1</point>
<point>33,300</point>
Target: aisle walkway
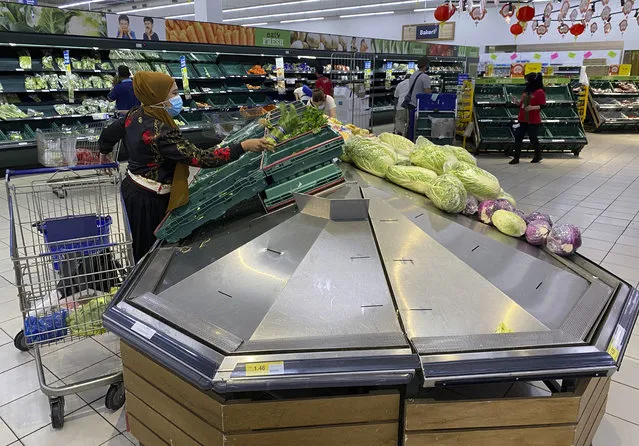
<point>598,191</point>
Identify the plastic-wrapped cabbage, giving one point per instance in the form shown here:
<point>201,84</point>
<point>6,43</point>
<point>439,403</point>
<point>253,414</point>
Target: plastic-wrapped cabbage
<point>472,205</point>
<point>564,240</point>
<point>538,216</point>
<point>506,196</point>
<point>403,160</point>
<point>401,145</point>
<point>432,159</point>
<point>483,185</point>
<point>447,193</point>
<point>345,156</point>
<point>86,320</point>
<point>537,231</point>
<point>461,154</point>
<point>413,178</point>
<point>425,143</point>
<point>486,209</point>
<point>371,155</point>
<point>509,223</point>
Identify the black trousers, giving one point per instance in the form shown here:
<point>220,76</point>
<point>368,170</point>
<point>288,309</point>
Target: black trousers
<point>145,210</point>
<point>533,134</point>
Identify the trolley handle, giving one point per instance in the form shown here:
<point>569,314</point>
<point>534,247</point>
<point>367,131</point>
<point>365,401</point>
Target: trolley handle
<point>44,170</point>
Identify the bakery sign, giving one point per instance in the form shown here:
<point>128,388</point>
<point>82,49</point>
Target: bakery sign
<point>429,31</point>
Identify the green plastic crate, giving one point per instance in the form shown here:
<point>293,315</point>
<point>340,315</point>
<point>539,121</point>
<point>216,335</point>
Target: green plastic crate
<point>245,165</point>
<point>492,113</point>
<point>311,182</point>
<point>233,69</point>
<point>563,131</point>
<point>493,94</point>
<point>302,153</point>
<point>176,70</point>
<point>559,113</point>
<point>558,93</point>
<point>209,70</point>
<point>496,133</point>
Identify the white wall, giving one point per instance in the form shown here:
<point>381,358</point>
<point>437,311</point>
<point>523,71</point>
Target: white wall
<point>493,30</point>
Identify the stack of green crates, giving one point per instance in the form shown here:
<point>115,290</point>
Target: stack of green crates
<point>303,164</point>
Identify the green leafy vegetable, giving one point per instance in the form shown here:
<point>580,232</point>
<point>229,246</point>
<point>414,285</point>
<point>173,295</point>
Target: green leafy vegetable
<point>86,320</point>
<point>509,223</point>
<point>370,154</point>
<point>431,158</point>
<point>447,193</point>
<point>399,144</point>
<point>413,178</point>
<point>483,185</point>
<point>461,154</point>
<point>52,21</point>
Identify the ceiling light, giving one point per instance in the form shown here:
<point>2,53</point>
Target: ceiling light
<point>272,5</point>
<point>180,16</point>
<point>73,5</point>
<point>151,8</point>
<point>302,20</point>
<point>255,24</point>
<point>427,9</point>
<point>366,14</point>
<point>321,11</point>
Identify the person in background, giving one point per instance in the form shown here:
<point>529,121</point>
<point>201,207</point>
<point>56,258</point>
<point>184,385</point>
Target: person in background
<point>420,80</point>
<point>122,91</point>
<point>324,102</point>
<point>302,92</point>
<point>401,115</point>
<point>159,156</point>
<point>323,83</point>
<point>148,30</point>
<point>529,117</point>
<point>125,32</point>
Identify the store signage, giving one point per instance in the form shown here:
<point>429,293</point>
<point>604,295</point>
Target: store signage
<point>624,69</point>
<point>67,69</point>
<point>513,56</point>
<point>272,38</point>
<point>185,78</point>
<point>533,67</point>
<point>537,56</point>
<point>367,75</point>
<point>428,32</point>
<point>389,75</point>
<point>587,54</point>
<point>517,70</point>
<point>612,54</point>
<point>411,67</point>
<point>554,56</point>
<point>461,78</point>
<point>279,73</point>
<point>28,2</point>
<point>572,55</point>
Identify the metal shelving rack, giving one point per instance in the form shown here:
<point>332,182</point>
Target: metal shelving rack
<point>613,103</point>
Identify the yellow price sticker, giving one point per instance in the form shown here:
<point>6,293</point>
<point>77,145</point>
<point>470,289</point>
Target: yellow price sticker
<point>612,351</point>
<point>533,67</point>
<point>265,368</point>
<point>615,343</point>
<point>624,69</point>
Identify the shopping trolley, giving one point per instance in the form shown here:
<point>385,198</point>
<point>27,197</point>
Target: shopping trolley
<point>69,255</point>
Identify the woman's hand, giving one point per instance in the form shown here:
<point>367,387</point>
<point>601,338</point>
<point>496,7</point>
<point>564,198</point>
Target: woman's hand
<point>532,107</point>
<point>257,145</point>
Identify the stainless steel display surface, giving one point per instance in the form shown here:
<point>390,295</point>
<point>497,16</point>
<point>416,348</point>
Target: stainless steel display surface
<point>367,285</point>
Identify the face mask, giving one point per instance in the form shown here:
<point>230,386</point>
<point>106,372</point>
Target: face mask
<point>176,106</point>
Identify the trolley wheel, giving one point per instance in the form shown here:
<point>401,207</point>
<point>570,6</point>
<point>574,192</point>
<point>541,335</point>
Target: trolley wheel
<point>115,397</point>
<point>57,412</point>
<point>20,342</point>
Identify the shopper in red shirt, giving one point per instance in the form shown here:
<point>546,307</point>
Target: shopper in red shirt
<point>323,83</point>
<point>529,118</point>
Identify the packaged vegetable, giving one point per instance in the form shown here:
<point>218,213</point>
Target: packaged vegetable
<point>509,223</point>
<point>478,182</point>
<point>413,178</point>
<point>403,146</point>
<point>432,159</point>
<point>447,193</point>
<point>370,155</point>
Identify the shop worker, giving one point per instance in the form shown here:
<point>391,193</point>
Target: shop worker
<point>124,30</point>
<point>419,81</point>
<point>530,116</point>
<point>401,115</point>
<point>122,91</point>
<point>159,156</point>
<point>324,102</point>
<point>323,83</point>
<point>148,30</point>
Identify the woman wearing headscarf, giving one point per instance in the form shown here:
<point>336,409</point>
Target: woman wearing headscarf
<point>159,156</point>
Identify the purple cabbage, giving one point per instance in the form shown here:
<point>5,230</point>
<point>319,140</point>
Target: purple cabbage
<point>537,231</point>
<point>521,213</point>
<point>471,206</point>
<point>538,216</point>
<point>486,209</point>
<point>504,205</point>
<point>564,240</point>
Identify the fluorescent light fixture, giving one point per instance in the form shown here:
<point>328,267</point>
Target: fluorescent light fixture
<point>366,14</point>
<point>270,5</point>
<point>73,5</point>
<point>255,24</point>
<point>313,19</point>
<point>306,57</point>
<point>428,9</point>
<point>321,11</point>
<point>152,8</point>
<point>180,16</point>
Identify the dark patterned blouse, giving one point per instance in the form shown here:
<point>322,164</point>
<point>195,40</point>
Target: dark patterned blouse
<point>155,148</point>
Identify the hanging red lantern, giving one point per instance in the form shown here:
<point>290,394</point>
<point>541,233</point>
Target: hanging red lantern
<point>577,29</point>
<point>525,13</point>
<point>444,12</point>
<point>516,29</point>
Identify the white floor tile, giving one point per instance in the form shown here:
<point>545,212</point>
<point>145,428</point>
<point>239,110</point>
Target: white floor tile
<point>116,418</point>
<point>110,341</point>
<point>131,438</point>
<point>628,374</point>
<point>75,357</point>
<point>110,365</point>
<point>623,402</point>
<point>32,412</point>
<point>19,381</point>
<point>120,440</point>
<point>6,436</point>
<point>5,338</point>
<point>632,350</point>
<point>12,326</point>
<point>84,427</point>
<point>10,310</point>
<point>616,432</point>
<point>11,357</point>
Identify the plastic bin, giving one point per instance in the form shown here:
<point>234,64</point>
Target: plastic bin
<point>436,102</point>
<point>492,113</point>
<point>210,71</point>
<point>559,113</point>
<point>233,69</point>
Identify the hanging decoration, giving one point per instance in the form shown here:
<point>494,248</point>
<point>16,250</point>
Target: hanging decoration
<point>607,28</point>
<point>547,22</point>
<point>535,25</point>
<point>623,26</point>
<point>605,2</point>
<point>573,15</point>
<point>516,29</point>
<point>627,6</point>
<point>584,6</point>
<point>541,30</point>
<point>507,11</point>
<point>593,28</point>
<point>477,14</point>
<point>525,13</point>
<point>605,14</point>
<point>577,29</point>
<point>563,29</point>
<point>563,11</point>
<point>444,12</point>
<point>637,16</point>
<point>588,16</point>
<point>548,10</point>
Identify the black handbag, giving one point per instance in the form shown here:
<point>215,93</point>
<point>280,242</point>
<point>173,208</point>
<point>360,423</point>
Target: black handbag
<point>407,104</point>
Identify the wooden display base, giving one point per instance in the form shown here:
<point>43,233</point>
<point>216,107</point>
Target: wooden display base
<point>163,409</point>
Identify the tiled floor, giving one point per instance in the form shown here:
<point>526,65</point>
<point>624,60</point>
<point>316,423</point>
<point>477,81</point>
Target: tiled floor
<point>598,192</point>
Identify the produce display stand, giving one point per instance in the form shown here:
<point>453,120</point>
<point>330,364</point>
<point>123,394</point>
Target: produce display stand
<point>614,103</point>
<point>434,117</point>
<point>496,109</point>
<point>363,315</point>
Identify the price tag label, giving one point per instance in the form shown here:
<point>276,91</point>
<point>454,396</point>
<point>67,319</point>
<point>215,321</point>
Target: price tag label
<point>614,348</point>
<point>572,55</point>
<point>612,54</point>
<point>185,78</point>
<point>367,75</point>
<point>279,73</point>
<point>624,69</point>
<point>411,67</point>
<point>265,368</point>
<point>143,330</point>
<point>493,56</point>
<point>533,67</point>
<point>537,56</point>
<point>67,69</point>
